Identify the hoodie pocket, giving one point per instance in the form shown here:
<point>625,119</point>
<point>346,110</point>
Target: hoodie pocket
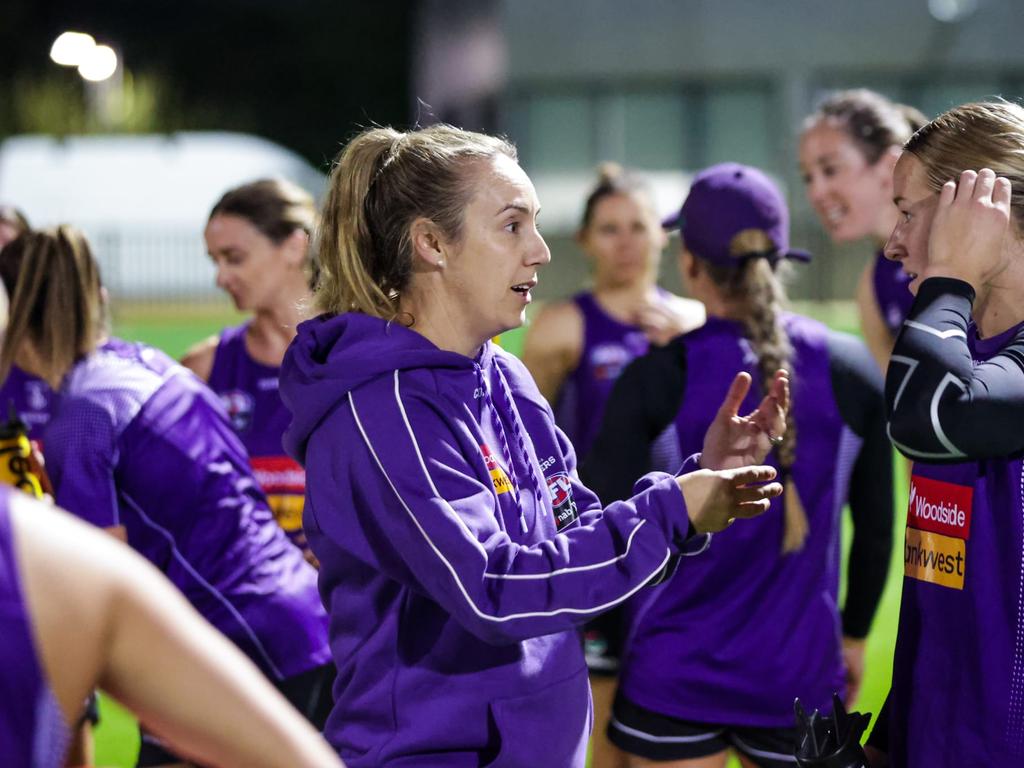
<point>549,727</point>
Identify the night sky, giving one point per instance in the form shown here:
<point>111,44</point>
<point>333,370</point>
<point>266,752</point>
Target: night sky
<point>304,73</point>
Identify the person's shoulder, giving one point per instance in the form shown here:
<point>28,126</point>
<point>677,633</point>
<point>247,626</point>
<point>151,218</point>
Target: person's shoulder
<point>556,323</point>
<point>691,312</point>
<point>200,356</point>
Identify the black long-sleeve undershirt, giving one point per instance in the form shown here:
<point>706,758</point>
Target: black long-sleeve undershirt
<point>943,408</point>
<point>649,394</point>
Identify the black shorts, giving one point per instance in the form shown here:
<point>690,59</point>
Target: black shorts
<point>309,692</point>
<point>641,732</point>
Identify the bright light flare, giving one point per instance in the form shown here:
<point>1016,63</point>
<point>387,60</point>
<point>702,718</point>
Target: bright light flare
<point>70,49</point>
<point>99,64</point>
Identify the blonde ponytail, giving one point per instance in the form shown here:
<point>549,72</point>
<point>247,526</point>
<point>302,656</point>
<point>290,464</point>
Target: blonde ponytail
<point>755,286</point>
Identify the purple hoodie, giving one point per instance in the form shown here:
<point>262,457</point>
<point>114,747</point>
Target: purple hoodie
<point>458,549</point>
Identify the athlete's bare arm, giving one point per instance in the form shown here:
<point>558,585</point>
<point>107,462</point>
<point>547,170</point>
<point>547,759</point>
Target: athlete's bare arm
<point>553,345</point>
<point>133,635</point>
<point>199,359</point>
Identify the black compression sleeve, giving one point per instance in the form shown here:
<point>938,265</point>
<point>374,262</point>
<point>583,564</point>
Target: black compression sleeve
<point>642,404</point>
<point>857,384</point>
<point>943,408</point>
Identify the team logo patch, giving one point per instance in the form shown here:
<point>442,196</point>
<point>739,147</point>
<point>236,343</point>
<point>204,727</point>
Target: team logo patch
<point>35,396</point>
<point>239,406</point>
<point>501,482</point>
<point>562,503</point>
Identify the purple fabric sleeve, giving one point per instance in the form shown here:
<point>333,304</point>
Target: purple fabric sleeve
<point>442,522</point>
<point>82,452</point>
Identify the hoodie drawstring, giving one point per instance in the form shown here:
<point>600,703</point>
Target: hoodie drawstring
<point>517,430</point>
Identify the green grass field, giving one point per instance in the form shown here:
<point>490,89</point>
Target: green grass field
<point>174,329</point>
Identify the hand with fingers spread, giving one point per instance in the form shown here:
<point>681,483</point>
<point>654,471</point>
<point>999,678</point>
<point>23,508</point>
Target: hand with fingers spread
<point>715,499</point>
<point>966,239</point>
<point>738,441</point>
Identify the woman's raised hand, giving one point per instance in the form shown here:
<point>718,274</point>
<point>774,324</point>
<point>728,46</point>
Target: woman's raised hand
<point>714,499</point>
<point>966,239</point>
<point>734,441</point>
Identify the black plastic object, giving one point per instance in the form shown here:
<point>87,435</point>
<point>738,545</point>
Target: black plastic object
<point>830,742</point>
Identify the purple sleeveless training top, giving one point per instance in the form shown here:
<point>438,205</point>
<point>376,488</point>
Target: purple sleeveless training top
<point>891,292</point>
<point>32,398</point>
<point>742,630</point>
<point>248,390</point>
<point>958,670</point>
<point>609,345</point>
<point>32,728</point>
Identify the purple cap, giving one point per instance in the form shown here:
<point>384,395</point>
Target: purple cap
<point>725,200</point>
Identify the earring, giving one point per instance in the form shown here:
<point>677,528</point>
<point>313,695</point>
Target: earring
<point>440,263</point>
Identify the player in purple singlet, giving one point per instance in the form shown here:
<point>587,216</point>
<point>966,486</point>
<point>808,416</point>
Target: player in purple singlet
<point>955,393</point>
<point>138,446</point>
<point>696,679</point>
<point>576,348</point>
<point>847,152</point>
<point>258,238</point>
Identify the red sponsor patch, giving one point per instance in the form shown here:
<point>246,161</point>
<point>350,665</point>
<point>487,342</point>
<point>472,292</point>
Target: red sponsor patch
<point>940,507</point>
<point>279,474</point>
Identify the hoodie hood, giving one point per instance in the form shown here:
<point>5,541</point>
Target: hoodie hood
<point>333,354</point>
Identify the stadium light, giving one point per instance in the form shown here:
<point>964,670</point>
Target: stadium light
<point>951,11</point>
<point>71,48</point>
<point>98,64</point>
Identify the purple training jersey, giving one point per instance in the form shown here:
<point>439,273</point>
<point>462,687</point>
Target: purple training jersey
<point>32,398</point>
<point>249,392</point>
<point>609,345</point>
<point>139,442</point>
<point>957,694</point>
<point>32,728</point>
<point>749,629</point>
<point>890,281</point>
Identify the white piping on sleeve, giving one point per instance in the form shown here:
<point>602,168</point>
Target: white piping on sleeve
<point>451,569</point>
<point>911,364</point>
<point>571,569</point>
<point>952,332</point>
<point>948,379</point>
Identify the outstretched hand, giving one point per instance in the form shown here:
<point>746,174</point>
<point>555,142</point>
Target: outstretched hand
<point>715,499</point>
<point>971,220</point>
<point>738,441</point>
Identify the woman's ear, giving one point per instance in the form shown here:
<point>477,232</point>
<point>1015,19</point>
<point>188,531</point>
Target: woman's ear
<point>295,248</point>
<point>428,247</point>
<point>886,164</point>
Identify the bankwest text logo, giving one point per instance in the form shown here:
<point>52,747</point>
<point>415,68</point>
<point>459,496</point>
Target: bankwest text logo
<point>501,482</point>
<point>938,526</point>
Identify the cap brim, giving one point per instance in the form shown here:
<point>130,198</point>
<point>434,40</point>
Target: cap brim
<point>797,255</point>
<point>673,222</point>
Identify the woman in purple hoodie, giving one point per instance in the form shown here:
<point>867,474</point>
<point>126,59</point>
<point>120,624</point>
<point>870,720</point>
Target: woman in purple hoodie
<point>459,553</point>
